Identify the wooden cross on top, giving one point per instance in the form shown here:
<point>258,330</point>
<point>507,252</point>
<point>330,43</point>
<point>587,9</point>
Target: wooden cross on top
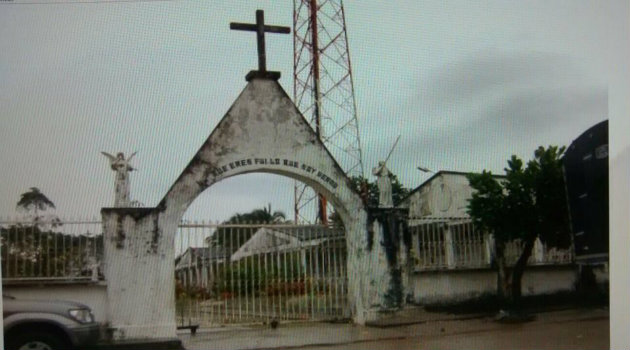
<point>260,28</point>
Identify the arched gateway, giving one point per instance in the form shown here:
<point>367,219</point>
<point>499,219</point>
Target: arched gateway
<point>262,132</point>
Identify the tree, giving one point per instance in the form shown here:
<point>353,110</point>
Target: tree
<point>530,203</point>
<point>35,252</point>
<point>369,193</point>
<point>264,215</point>
<point>257,216</point>
<point>34,201</point>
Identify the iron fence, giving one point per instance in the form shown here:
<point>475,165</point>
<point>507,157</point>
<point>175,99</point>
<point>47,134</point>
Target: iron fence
<point>258,272</point>
<point>68,250</point>
<point>250,272</point>
<point>454,243</point>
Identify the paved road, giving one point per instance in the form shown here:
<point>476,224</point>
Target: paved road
<point>586,334</point>
<point>569,329</point>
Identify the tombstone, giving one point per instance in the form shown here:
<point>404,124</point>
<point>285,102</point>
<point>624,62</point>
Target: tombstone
<point>263,131</point>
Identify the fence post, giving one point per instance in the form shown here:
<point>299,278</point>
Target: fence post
<point>539,251</point>
<point>489,244</point>
<point>448,248</point>
<point>415,244</point>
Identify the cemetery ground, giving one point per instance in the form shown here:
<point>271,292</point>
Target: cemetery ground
<point>573,328</point>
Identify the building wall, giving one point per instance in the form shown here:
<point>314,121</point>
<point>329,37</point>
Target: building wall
<point>91,294</point>
<point>444,196</point>
<point>450,286</point>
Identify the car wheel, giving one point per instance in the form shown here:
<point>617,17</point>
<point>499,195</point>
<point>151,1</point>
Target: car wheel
<point>37,341</point>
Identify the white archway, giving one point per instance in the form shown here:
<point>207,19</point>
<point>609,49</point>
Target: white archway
<point>263,132</point>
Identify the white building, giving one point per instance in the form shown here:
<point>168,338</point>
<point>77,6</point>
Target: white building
<point>443,195</point>
<point>452,260</point>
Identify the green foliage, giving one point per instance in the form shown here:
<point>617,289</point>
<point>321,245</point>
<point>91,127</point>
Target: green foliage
<point>253,276</point>
<point>258,216</point>
<point>221,236</point>
<point>486,207</point>
<point>29,251</point>
<point>266,275</point>
<point>34,200</point>
<point>529,203</point>
<point>362,185</point>
<point>369,192</point>
<point>551,198</point>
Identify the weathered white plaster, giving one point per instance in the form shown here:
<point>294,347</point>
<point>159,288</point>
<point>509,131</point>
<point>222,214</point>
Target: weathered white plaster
<point>449,286</point>
<point>384,184</point>
<point>445,194</point>
<point>378,274</point>
<point>262,132</point>
<point>139,269</point>
<point>389,285</point>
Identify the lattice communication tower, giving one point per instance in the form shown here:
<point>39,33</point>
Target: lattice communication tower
<point>324,93</point>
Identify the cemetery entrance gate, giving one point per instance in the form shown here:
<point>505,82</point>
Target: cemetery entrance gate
<point>263,132</point>
<point>256,273</point>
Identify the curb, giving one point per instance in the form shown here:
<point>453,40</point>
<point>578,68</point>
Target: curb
<point>170,344</point>
<point>413,322</point>
<point>329,343</point>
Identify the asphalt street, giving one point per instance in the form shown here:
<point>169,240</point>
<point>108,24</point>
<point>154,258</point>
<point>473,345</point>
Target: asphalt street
<point>568,329</point>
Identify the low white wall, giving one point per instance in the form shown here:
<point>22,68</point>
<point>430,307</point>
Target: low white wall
<point>448,286</point>
<point>91,294</point>
<point>549,279</point>
<point>601,274</point>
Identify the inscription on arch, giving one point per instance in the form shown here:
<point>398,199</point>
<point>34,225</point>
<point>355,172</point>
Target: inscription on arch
<point>225,169</point>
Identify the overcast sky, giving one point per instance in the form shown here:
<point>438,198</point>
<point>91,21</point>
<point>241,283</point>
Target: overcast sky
<point>465,84</point>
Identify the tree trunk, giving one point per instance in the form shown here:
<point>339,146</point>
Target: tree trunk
<point>519,270</point>
<point>503,278</point>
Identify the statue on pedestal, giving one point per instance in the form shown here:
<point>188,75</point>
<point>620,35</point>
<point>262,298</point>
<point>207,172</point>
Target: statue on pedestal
<point>384,181</point>
<point>121,184</point>
<point>384,184</point>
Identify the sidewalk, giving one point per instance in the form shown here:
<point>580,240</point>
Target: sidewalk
<point>411,324</point>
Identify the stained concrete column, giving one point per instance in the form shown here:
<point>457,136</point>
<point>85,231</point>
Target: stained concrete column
<point>539,251</point>
<point>489,243</point>
<point>387,248</point>
<point>139,269</point>
<point>448,247</point>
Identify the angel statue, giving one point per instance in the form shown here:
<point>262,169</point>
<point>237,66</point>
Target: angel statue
<point>121,185</point>
<point>384,184</point>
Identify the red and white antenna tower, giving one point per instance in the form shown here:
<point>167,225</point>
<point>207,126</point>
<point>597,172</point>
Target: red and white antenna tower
<point>324,93</point>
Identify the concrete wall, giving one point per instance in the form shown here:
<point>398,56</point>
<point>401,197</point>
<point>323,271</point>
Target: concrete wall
<point>436,287</point>
<point>601,273</point>
<point>91,294</point>
<point>444,196</point>
<point>262,132</point>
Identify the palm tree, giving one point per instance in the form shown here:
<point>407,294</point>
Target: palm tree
<point>266,215</point>
<point>35,201</point>
<point>258,216</point>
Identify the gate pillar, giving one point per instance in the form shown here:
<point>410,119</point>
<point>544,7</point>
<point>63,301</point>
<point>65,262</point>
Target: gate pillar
<point>263,132</point>
<point>139,271</point>
<point>389,242</point>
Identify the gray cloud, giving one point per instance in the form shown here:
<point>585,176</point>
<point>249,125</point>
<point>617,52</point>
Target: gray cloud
<point>474,114</point>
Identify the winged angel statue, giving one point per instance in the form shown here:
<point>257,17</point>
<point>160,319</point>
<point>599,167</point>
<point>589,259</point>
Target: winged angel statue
<point>121,185</point>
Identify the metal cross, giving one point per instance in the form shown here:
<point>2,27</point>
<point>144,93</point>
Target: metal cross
<point>260,28</point>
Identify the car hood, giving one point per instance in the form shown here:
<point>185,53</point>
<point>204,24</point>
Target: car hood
<point>61,307</point>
